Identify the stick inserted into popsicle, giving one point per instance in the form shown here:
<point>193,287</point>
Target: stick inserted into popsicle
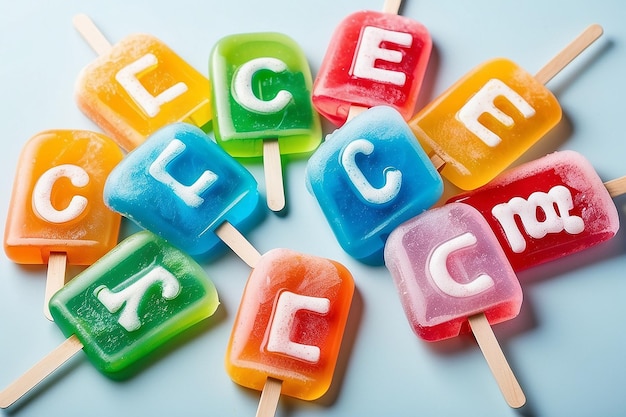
<point>56,214</point>
<point>137,86</point>
<point>182,186</point>
<point>492,115</point>
<point>548,208</point>
<point>261,96</point>
<point>289,327</point>
<point>134,299</point>
<point>452,277</point>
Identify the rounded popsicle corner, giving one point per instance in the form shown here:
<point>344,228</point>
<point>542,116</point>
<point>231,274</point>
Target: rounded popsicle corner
<point>56,203</point>
<point>182,186</point>
<point>447,265</point>
<point>138,87</point>
<point>368,177</point>
<point>261,89</point>
<point>290,327</point>
<point>132,301</point>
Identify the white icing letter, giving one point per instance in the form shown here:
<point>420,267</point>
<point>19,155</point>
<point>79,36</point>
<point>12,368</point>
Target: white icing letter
<point>190,194</point>
<point>150,104</point>
<point>393,177</point>
<point>242,86</point>
<point>369,51</point>
<point>286,308</point>
<point>554,222</point>
<point>437,266</point>
<point>128,299</point>
<point>42,203</point>
<point>483,102</point>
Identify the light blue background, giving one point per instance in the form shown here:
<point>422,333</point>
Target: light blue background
<point>566,346</point>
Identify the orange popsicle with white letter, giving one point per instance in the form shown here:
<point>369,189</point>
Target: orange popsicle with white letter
<point>57,213</point>
<point>289,326</point>
<point>137,86</point>
<point>492,115</point>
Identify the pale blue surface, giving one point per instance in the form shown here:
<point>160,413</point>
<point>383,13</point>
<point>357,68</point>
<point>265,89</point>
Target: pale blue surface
<point>566,346</point>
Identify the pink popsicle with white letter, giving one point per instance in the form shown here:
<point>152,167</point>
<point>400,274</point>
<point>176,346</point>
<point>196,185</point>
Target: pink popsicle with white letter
<point>452,276</point>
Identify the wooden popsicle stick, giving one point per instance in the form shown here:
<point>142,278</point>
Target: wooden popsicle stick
<point>40,371</point>
<point>391,6</point>
<point>437,161</point>
<point>269,398</point>
<point>55,279</point>
<point>616,187</point>
<point>92,35</point>
<point>567,55</point>
<point>273,175</point>
<point>496,360</point>
<point>238,243</point>
<point>355,111</point>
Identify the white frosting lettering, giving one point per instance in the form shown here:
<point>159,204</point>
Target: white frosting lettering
<point>190,194</point>
<point>370,50</point>
<point>559,197</point>
<point>150,104</point>
<point>288,305</point>
<point>129,298</point>
<point>393,177</point>
<point>438,269</point>
<point>42,194</point>
<point>483,102</point>
<point>242,86</point>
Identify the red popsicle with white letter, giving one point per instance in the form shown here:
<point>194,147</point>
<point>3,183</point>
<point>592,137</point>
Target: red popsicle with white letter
<point>547,208</point>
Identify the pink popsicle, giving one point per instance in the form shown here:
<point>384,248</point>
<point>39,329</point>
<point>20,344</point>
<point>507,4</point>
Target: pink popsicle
<point>452,276</point>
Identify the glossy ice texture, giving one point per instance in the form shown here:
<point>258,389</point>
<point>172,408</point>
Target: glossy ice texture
<point>290,323</point>
<point>368,177</point>
<point>373,59</point>
<point>133,300</point>
<point>181,186</point>
<point>56,204</point>
<point>140,86</point>
<point>546,209</point>
<point>485,121</point>
<point>448,265</point>
<point>261,89</point>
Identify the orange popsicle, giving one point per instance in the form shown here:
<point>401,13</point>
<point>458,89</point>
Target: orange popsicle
<point>56,209</point>
<point>290,324</point>
<point>137,86</point>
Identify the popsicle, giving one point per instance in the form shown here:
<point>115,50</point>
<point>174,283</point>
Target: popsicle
<point>56,214</point>
<point>374,58</point>
<point>261,97</point>
<point>368,177</point>
<point>137,86</point>
<point>452,276</point>
<point>289,326</point>
<point>137,297</point>
<point>182,186</point>
<point>492,115</point>
<point>547,208</point>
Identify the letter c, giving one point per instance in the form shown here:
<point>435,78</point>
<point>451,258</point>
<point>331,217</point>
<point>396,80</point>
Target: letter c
<point>42,194</point>
<point>393,177</point>
<point>441,276</point>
